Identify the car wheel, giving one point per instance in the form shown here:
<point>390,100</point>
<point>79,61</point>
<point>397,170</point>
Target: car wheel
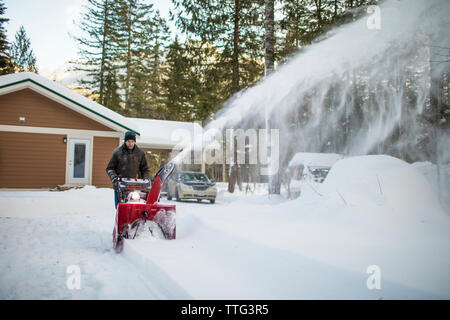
<point>169,196</point>
<point>177,196</point>
<point>212,200</point>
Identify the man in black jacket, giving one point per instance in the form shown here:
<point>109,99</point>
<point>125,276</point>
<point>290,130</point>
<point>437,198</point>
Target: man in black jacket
<point>127,161</point>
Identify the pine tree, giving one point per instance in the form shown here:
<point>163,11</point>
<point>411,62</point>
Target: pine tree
<point>5,62</point>
<point>159,43</point>
<point>304,21</point>
<point>97,50</point>
<point>210,79</point>
<point>111,96</point>
<point>146,89</point>
<point>134,24</point>
<point>21,53</point>
<point>234,27</point>
<point>292,26</point>
<point>179,83</point>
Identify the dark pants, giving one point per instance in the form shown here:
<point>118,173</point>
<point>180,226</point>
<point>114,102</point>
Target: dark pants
<point>116,198</point>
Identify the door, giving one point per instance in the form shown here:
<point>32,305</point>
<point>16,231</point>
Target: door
<point>79,161</point>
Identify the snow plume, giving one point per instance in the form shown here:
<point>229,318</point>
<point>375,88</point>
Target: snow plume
<point>363,89</point>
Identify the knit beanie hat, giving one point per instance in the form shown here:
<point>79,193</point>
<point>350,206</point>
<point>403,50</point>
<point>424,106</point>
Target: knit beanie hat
<point>129,136</point>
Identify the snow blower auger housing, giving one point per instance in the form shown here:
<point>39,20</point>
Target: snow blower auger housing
<point>138,209</point>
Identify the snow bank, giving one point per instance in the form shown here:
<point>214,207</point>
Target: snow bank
<point>380,180</point>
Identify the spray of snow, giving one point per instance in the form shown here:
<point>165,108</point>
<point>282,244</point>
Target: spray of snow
<point>317,86</point>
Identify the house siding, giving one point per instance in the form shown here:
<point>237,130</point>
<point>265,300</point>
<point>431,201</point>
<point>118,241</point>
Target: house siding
<point>40,111</point>
<point>31,160</point>
<point>103,148</point>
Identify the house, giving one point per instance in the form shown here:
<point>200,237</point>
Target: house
<point>52,136</point>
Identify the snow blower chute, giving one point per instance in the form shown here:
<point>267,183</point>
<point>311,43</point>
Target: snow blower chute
<point>139,210</point>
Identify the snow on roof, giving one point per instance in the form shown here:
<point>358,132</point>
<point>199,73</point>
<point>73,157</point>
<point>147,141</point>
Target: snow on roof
<point>164,134</point>
<point>70,98</point>
<point>152,133</point>
<point>315,159</point>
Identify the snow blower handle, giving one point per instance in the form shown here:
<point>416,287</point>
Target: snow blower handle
<point>161,176</point>
<point>116,186</point>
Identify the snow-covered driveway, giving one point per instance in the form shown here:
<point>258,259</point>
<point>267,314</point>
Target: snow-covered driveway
<point>241,247</point>
<point>43,233</point>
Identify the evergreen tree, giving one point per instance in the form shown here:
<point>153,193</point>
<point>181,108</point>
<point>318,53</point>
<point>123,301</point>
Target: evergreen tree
<point>147,91</point>
<point>210,79</point>
<point>180,82</point>
<point>234,27</point>
<point>304,21</point>
<point>111,96</point>
<point>21,53</point>
<point>292,26</point>
<point>134,25</point>
<point>5,62</point>
<point>97,50</point>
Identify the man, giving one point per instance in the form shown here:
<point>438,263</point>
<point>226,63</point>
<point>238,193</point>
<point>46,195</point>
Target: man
<point>127,161</point>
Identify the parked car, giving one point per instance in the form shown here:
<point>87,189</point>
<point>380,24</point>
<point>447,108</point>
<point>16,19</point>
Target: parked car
<point>191,185</point>
<point>306,166</point>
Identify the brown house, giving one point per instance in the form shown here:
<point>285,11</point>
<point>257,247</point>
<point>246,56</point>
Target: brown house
<point>52,136</point>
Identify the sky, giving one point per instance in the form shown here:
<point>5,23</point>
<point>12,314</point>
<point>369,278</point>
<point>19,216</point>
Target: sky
<point>48,24</point>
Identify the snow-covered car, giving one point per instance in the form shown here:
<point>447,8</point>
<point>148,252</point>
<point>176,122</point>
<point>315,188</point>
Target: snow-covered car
<point>191,185</point>
<point>311,167</point>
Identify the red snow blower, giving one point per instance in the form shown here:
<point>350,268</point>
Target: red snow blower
<point>138,209</point>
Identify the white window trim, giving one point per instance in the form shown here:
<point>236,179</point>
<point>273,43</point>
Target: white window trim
<point>47,130</point>
<point>91,157</point>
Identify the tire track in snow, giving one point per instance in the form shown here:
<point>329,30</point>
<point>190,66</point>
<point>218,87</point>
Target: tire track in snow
<point>35,253</point>
<point>210,263</point>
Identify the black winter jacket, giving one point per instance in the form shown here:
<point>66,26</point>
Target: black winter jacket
<point>125,163</point>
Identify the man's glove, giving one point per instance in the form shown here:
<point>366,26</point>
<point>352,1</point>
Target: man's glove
<point>115,182</point>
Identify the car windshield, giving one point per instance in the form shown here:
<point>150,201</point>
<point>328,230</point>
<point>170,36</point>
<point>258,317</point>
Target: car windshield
<point>192,176</point>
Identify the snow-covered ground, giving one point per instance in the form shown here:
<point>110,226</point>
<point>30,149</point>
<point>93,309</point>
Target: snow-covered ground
<point>371,213</point>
